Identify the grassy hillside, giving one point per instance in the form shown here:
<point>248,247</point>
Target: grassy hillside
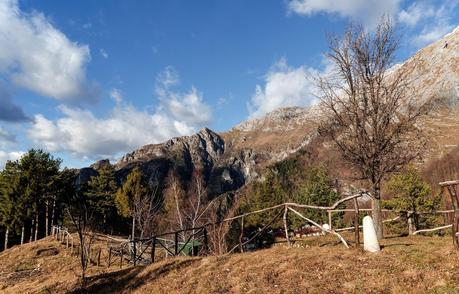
<point>409,264</point>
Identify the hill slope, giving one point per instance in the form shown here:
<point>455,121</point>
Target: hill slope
<point>410,264</point>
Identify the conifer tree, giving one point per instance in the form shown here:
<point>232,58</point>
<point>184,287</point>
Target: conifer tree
<point>412,194</point>
<point>101,193</point>
<point>10,211</point>
<point>38,173</point>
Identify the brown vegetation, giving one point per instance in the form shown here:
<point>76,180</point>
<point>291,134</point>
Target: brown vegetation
<point>411,265</point>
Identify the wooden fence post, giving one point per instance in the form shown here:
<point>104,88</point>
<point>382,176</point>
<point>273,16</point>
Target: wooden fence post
<point>452,192</point>
<point>134,253</point>
<point>206,241</point>
<point>330,219</point>
<point>356,222</point>
<point>241,235</point>
<point>285,225</point>
<point>176,243</point>
<point>153,249</point>
<point>98,256</point>
<point>121,259</point>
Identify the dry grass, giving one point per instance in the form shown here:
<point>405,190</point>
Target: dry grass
<point>43,267</point>
<point>405,265</point>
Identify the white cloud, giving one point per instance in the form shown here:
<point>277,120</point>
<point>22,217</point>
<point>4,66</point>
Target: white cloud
<point>284,86</point>
<point>367,11</point>
<point>415,13</point>
<point>83,134</point>
<point>5,156</point>
<point>37,56</point>
<point>432,34</point>
<point>433,19</point>
<point>187,107</point>
<point>116,95</point>
<point>103,53</point>
<point>125,128</point>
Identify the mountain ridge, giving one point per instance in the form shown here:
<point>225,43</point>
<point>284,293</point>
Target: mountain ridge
<point>228,160</point>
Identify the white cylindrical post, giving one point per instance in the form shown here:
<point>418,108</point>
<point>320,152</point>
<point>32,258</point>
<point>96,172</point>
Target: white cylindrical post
<point>370,240</point>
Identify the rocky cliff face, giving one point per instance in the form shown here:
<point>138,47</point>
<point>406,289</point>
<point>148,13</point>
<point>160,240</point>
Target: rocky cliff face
<point>204,153</point>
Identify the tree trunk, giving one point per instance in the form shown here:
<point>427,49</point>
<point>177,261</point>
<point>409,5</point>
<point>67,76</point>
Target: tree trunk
<point>133,227</point>
<point>36,227</point>
<point>52,211</point>
<point>31,230</point>
<point>46,218</point>
<point>105,223</point>
<point>411,227</point>
<point>22,234</point>
<point>6,238</point>
<point>376,210</point>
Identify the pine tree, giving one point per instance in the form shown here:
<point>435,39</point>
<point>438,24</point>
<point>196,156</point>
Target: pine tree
<point>38,173</point>
<point>411,193</point>
<point>11,213</point>
<point>317,188</point>
<point>101,193</point>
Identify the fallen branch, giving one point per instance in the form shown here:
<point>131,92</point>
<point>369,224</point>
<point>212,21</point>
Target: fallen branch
<point>352,228</point>
<point>431,230</point>
<point>449,183</point>
<point>319,226</point>
<point>360,194</point>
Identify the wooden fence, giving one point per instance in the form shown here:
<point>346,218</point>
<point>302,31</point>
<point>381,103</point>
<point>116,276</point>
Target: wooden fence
<point>194,241</point>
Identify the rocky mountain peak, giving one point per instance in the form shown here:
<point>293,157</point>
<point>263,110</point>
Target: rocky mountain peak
<point>100,164</point>
<point>281,119</point>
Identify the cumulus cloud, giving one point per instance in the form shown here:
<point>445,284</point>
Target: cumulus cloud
<point>284,86</point>
<point>125,128</point>
<point>37,56</point>
<point>414,13</point>
<point>188,107</point>
<point>5,156</point>
<point>368,12</point>
<point>435,20</point>
<point>426,21</point>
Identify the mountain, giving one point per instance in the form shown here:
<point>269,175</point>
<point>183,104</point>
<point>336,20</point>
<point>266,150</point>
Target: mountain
<point>229,160</point>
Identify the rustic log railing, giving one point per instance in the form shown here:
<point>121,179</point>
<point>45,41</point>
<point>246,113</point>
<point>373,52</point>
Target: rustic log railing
<point>451,187</point>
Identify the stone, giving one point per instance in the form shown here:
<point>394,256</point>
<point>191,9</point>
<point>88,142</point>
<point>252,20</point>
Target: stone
<point>370,240</point>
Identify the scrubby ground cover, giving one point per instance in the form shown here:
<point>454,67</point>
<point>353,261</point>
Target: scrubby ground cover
<point>415,264</point>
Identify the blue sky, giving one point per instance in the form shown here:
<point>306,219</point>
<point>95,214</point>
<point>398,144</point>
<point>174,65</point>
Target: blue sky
<point>87,80</point>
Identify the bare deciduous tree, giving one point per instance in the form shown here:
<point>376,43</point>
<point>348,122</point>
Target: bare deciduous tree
<point>370,105</point>
<point>78,212</point>
<point>146,211</point>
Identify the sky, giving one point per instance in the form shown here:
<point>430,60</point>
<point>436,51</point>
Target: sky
<point>87,80</point>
